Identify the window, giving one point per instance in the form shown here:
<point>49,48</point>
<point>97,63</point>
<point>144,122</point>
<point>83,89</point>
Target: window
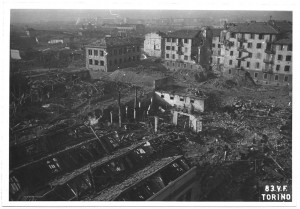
<point>261,36</point>
<point>186,57</point>
<point>96,52</point>
<point>276,78</point>
<point>229,71</point>
<point>255,75</point>
<point>173,48</point>
<point>168,39</point>
<point>250,55</point>
<point>120,51</point>
<point>101,53</point>
<point>185,40</point>
<point>96,62</point>
<point>279,57</point>
<point>168,47</point>
<point>192,101</point>
<point>249,45</point>
<point>90,52</point>
<point>290,47</point>
<point>173,56</point>
<point>167,63</point>
<point>173,64</point>
<point>213,45</point>
<point>258,55</point>
<point>257,65</point>
<point>232,35</point>
<point>277,67</point>
<point>219,53</point>
<point>173,40</point>
<point>248,64</point>
<point>219,45</point>
<point>172,97</point>
<point>185,49</point>
<point>162,96</point>
<point>90,61</point>
<point>101,63</point>
<point>231,53</point>
<point>181,99</point>
<point>288,58</point>
<point>287,68</point>
<point>184,65</point>
<point>252,36</point>
<point>265,76</point>
<point>167,55</point>
<point>286,78</point>
<point>230,62</point>
<point>258,45</point>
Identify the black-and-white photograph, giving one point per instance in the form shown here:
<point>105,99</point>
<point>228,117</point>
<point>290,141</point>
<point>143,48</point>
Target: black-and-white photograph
<point>150,105</point>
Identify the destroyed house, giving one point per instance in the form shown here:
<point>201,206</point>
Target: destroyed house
<point>79,171</point>
<point>187,48</point>
<point>168,179</point>
<point>255,48</point>
<point>112,53</point>
<point>181,99</point>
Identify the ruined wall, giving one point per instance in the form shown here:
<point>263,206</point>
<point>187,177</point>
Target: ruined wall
<point>180,101</point>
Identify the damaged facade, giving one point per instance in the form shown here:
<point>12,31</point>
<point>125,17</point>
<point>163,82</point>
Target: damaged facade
<point>188,49</point>
<point>261,49</point>
<point>154,44</point>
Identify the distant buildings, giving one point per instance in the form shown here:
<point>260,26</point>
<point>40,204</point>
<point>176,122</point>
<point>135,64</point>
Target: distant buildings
<point>111,53</point>
<point>218,49</point>
<point>263,49</point>
<point>187,49</point>
<point>154,44</point>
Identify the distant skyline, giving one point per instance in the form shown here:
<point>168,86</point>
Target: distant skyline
<point>36,15</point>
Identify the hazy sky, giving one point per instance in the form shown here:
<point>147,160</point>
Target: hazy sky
<point>33,15</point>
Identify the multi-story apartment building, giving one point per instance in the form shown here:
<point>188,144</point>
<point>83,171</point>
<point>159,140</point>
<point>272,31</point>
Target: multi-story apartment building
<point>111,53</point>
<point>187,49</point>
<point>154,44</point>
<point>218,49</point>
<point>260,49</point>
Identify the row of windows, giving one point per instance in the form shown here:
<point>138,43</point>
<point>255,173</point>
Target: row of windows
<point>179,65</point>
<point>173,56</point>
<point>258,56</point>
<point>287,58</point>
<point>265,76</point>
<point>252,36</point>
<point>257,65</point>
<point>179,48</point>
<point>174,40</point>
<point>181,98</point>
<point>96,62</point>
<point>120,51</point>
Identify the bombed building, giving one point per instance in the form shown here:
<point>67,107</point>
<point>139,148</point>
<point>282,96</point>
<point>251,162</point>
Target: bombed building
<point>176,116</point>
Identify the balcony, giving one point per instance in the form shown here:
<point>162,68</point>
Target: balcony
<point>270,51</point>
<point>242,39</point>
<point>268,61</point>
